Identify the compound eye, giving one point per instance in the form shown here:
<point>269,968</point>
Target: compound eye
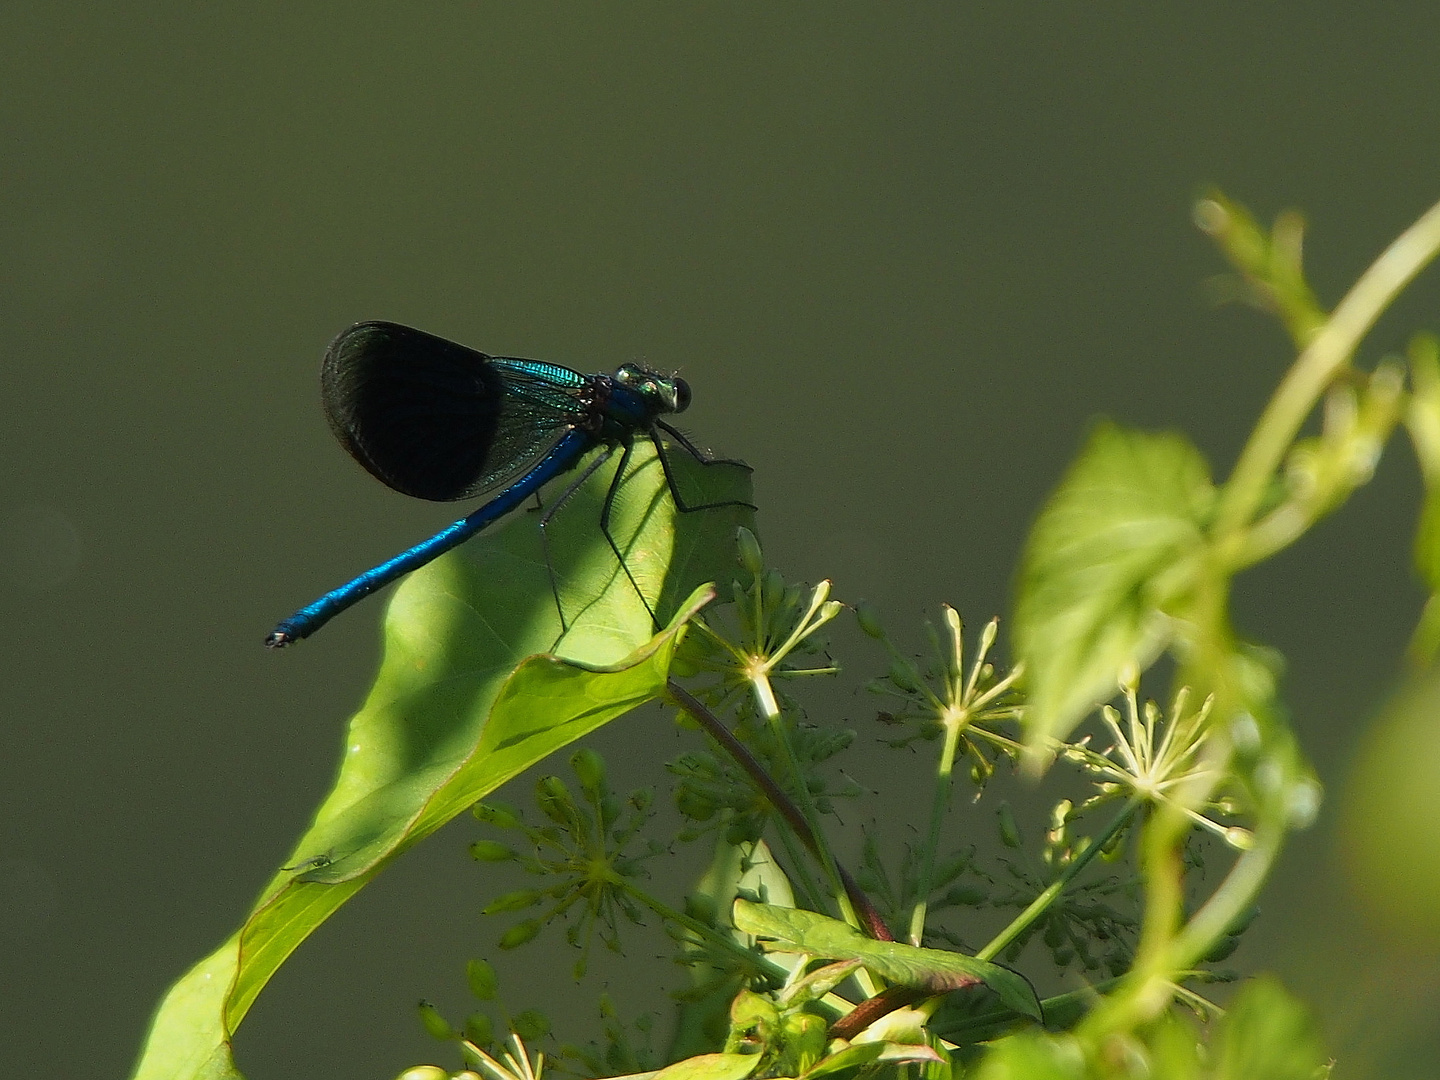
<point>682,394</point>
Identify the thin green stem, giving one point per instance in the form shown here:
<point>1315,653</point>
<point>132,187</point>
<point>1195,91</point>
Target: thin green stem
<point>770,708</point>
<point>840,1006</point>
<point>939,805</point>
<point>1052,891</point>
<point>717,938</point>
<point>872,924</point>
<point>1329,350</point>
<point>801,879</point>
<point>1149,986</point>
<point>1236,894</point>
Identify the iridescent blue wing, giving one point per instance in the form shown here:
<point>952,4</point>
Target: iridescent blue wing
<point>436,420</point>
<point>540,402</point>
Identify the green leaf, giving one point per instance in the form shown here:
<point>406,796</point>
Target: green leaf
<point>1422,418</point>
<point>850,1057</point>
<point>978,1015</point>
<point>1111,557</point>
<point>478,682</point>
<point>1268,1035</point>
<point>711,1067</point>
<point>933,970</point>
<point>748,867</point>
<point>1034,1055</point>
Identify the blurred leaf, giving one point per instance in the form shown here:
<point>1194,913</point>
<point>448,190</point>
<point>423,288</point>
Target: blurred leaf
<point>1392,819</point>
<point>478,682</point>
<point>1176,1052</point>
<point>933,970</point>
<point>1114,550</point>
<point>1033,1055</point>
<point>1271,265</point>
<point>978,1015</point>
<point>1268,1035</point>
<point>1422,420</point>
<point>711,1067</point>
<point>852,1057</point>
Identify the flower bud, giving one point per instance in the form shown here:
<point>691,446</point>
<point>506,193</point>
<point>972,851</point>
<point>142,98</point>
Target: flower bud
<point>520,934</point>
<point>748,548</point>
<point>1009,831</point>
<point>483,983</point>
<point>490,851</point>
<point>434,1023</point>
<point>868,616</point>
<point>589,769</point>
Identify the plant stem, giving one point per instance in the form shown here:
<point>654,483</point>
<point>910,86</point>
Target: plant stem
<point>939,804</point>
<point>872,922</point>
<point>1229,902</point>
<point>840,1006</point>
<point>716,937</point>
<point>1329,350</point>
<point>765,695</point>
<point>1055,888</point>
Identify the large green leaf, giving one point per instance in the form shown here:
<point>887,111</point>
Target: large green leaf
<point>711,1067</point>
<point>1113,553</point>
<point>1268,1035</point>
<point>933,970</point>
<point>479,681</point>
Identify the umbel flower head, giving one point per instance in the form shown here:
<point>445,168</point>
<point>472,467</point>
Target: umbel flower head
<point>967,708</point>
<point>1162,761</point>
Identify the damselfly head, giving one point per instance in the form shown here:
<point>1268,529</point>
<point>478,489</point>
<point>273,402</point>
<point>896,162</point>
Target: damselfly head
<point>670,394</point>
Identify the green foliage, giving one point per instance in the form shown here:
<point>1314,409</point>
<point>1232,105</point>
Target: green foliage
<point>931,970</point>
<point>478,682</point>
<point>1109,566</point>
<point>587,856</point>
<point>796,967</point>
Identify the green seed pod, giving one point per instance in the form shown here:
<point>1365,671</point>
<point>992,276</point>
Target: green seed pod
<point>904,676</point>
<point>1009,831</point>
<point>480,1030</point>
<point>520,934</point>
<point>589,769</point>
<point>481,977</point>
<point>497,814</point>
<point>745,829</point>
<point>424,1072</point>
<point>518,900</point>
<point>490,851</point>
<point>609,811</point>
<point>748,548</point>
<point>553,798</point>
<point>868,616</point>
<point>694,805</point>
<point>966,896</point>
<point>530,1024</point>
<point>434,1023</point>
<point>1222,948</point>
<point>772,587</point>
<point>1054,933</point>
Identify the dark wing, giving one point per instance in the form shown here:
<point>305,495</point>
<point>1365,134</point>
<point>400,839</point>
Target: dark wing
<point>436,420</point>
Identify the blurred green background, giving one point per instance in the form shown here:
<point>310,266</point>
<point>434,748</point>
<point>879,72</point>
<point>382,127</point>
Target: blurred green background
<point>903,252</point>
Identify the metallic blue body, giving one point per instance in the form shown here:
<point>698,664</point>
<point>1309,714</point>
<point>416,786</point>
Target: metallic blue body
<point>313,616</point>
<point>437,420</point>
